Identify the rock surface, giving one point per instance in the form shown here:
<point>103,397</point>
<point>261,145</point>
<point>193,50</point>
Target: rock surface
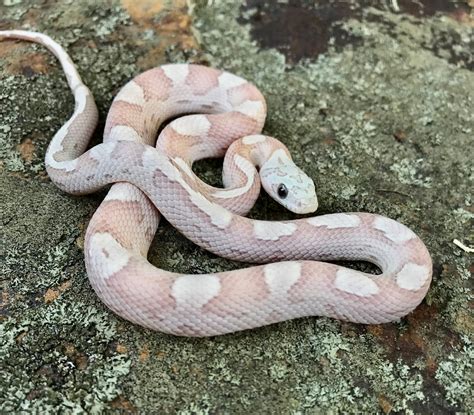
<point>376,102</point>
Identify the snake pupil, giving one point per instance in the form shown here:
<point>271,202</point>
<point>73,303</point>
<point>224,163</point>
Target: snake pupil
<point>282,191</point>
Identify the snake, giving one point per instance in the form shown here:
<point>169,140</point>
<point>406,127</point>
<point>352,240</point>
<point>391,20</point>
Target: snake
<point>215,113</point>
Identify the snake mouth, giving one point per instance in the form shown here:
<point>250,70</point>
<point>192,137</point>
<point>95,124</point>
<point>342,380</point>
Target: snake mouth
<point>309,205</point>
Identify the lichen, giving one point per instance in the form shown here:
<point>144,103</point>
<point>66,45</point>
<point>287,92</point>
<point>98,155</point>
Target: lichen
<point>45,365</point>
<point>455,374</point>
<point>408,172</point>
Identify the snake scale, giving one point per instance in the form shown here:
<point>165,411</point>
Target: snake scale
<point>149,179</point>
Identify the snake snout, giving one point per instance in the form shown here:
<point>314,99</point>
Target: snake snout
<point>309,205</point>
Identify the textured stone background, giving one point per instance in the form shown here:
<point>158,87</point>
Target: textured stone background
<point>376,101</point>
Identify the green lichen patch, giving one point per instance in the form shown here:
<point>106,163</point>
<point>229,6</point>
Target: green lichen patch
<point>455,374</point>
<point>311,366</point>
<point>57,357</point>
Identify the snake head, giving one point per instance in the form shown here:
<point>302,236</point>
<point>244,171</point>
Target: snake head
<point>287,184</point>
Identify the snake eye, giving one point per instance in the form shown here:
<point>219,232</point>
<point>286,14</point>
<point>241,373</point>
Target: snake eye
<point>282,191</point>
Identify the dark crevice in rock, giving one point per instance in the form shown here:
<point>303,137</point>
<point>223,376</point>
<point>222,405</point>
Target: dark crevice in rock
<point>301,29</point>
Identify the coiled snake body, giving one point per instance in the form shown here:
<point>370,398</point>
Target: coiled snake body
<point>229,111</point>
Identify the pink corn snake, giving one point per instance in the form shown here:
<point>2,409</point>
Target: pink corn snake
<point>229,112</point>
